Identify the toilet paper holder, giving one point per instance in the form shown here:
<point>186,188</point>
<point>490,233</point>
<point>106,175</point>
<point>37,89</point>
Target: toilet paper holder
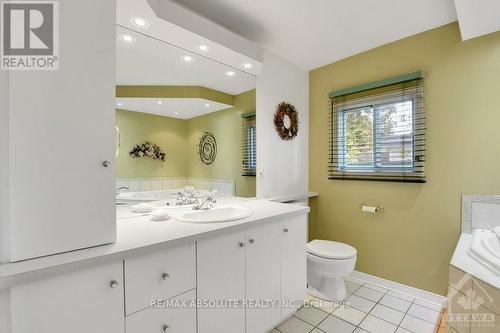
<point>371,209</point>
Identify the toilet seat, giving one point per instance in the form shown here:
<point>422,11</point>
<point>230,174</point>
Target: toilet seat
<point>330,249</point>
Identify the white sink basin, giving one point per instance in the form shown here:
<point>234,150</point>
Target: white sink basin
<point>214,215</point>
<point>485,248</point>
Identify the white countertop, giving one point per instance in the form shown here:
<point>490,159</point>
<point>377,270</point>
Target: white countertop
<point>139,233</point>
<point>466,263</point>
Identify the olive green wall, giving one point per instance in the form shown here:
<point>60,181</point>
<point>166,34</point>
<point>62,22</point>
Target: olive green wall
<point>412,241</point>
<point>168,133</point>
<point>179,140</point>
<point>226,127</point>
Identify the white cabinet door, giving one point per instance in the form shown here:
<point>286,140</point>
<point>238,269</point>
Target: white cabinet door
<point>221,276</point>
<point>177,316</point>
<point>293,263</point>
<point>61,130</point>
<point>82,301</point>
<point>263,277</point>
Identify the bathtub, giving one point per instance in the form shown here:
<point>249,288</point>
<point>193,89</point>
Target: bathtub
<point>485,248</point>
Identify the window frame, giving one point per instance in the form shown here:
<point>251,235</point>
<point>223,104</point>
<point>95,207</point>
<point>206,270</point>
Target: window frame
<point>375,109</point>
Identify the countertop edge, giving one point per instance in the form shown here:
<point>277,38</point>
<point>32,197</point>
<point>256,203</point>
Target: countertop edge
<point>17,272</point>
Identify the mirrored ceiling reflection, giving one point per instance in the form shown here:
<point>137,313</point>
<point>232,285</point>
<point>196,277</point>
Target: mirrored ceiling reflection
<point>143,60</point>
<point>168,99</point>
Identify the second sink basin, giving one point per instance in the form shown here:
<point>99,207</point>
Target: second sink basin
<point>214,215</point>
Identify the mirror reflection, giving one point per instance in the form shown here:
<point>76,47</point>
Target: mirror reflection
<point>186,123</point>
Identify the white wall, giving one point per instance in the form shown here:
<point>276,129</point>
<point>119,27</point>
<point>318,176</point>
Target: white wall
<point>282,166</point>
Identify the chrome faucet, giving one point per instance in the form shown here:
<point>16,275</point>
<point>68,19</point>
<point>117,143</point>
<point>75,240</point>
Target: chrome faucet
<point>183,200</point>
<point>206,204</point>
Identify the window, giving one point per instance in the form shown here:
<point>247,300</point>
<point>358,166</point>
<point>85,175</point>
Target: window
<point>249,144</point>
<point>378,133</point>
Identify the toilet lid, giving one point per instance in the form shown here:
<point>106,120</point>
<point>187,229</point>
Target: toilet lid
<point>330,249</point>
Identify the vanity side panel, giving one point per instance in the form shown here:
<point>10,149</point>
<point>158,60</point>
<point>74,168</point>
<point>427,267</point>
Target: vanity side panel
<point>5,311</point>
<point>62,129</point>
<point>4,167</point>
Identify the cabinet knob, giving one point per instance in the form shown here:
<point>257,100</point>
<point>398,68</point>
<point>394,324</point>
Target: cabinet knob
<point>252,240</point>
<point>106,164</point>
<point>165,276</point>
<point>242,244</point>
<point>285,230</point>
<point>164,328</point>
<point>114,284</point>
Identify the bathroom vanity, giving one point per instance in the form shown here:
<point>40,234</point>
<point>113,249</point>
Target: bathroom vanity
<point>123,287</point>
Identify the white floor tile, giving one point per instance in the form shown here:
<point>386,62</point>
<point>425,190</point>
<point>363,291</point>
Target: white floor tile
<point>387,314</point>
<point>360,303</point>
<point>402,330</point>
<point>351,286</point>
<point>295,325</point>
<point>311,315</point>
<point>375,325</point>
<point>335,325</point>
<point>370,294</point>
<point>275,331</point>
<point>375,287</point>
<point>323,305</point>
<point>360,330</point>
<point>317,330</point>
<point>417,325</point>
<point>350,315</point>
<point>395,303</point>
<point>429,305</point>
<point>401,296</point>
<point>424,313</point>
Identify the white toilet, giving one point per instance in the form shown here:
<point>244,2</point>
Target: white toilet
<point>328,263</point>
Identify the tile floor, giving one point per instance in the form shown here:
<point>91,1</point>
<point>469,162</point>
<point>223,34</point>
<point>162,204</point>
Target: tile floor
<point>368,309</point>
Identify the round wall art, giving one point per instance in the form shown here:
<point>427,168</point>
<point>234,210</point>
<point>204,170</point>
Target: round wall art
<point>208,148</point>
<point>286,121</point>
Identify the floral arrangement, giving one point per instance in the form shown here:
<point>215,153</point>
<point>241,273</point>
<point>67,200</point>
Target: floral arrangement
<point>148,150</point>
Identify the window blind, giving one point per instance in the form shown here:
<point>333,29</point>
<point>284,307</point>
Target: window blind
<point>248,144</point>
<point>378,133</point>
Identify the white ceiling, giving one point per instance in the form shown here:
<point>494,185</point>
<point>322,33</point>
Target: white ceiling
<point>155,57</point>
<point>182,108</point>
<point>478,18</point>
<point>313,33</point>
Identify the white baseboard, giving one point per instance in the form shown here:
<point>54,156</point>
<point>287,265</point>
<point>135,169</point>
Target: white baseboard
<point>414,292</point>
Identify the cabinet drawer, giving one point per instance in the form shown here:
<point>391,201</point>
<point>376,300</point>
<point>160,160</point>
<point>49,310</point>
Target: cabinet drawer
<point>170,319</point>
<point>158,276</point>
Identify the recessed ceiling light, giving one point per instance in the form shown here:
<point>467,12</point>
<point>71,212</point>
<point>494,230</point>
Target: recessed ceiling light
<point>207,105</point>
<point>187,58</point>
<point>177,113</point>
<point>159,102</point>
<point>119,104</point>
<point>140,22</point>
<point>247,65</point>
<point>230,73</point>
<point>203,48</point>
<point>127,38</point>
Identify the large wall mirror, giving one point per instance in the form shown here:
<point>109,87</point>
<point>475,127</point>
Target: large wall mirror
<point>183,118</point>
